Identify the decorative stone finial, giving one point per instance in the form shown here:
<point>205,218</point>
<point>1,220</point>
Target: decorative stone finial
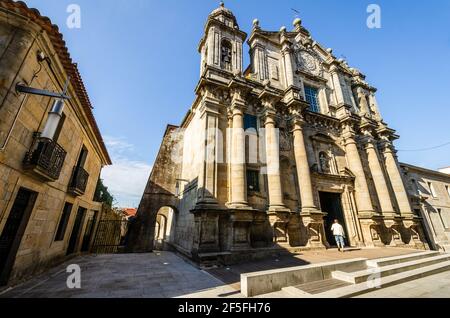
<point>330,50</point>
<point>283,29</point>
<point>222,4</point>
<point>255,23</point>
<point>297,24</point>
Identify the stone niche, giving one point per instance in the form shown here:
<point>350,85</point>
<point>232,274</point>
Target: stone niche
<point>326,154</point>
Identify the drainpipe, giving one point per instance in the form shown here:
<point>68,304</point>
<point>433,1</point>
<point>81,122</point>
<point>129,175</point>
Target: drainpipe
<point>54,116</point>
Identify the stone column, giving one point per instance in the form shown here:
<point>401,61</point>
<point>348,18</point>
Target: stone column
<point>410,225</point>
<point>311,216</point>
<point>369,220</point>
<point>207,180</point>
<point>303,169</point>
<point>337,86</point>
<point>378,177</point>
<point>393,171</point>
<point>287,58</point>
<point>238,174</point>
<point>273,160</point>
<point>362,194</point>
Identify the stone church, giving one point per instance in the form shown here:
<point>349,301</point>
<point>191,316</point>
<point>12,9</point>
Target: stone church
<point>269,155</point>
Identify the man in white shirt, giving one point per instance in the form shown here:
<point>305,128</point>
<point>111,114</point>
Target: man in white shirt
<point>339,235</point>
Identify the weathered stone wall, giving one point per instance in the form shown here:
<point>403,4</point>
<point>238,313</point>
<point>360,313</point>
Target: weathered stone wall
<point>19,64</point>
<point>159,192</point>
<point>434,209</point>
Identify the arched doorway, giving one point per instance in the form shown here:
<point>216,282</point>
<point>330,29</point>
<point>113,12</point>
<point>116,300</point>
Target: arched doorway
<point>164,228</point>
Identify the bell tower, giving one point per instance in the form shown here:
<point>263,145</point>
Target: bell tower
<point>221,45</point>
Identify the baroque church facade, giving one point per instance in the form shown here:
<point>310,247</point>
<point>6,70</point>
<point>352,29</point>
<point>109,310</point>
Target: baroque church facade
<point>268,156</point>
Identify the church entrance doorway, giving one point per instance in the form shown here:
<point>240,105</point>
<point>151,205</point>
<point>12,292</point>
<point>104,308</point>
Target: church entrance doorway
<point>331,204</point>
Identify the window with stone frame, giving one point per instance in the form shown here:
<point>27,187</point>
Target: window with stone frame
<point>250,122</point>
<point>226,55</point>
<point>253,180</point>
<point>432,191</point>
<point>312,97</point>
<point>62,226</point>
<point>444,223</point>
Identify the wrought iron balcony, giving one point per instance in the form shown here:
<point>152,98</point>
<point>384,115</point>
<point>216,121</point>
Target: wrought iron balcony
<point>45,158</point>
<point>79,181</point>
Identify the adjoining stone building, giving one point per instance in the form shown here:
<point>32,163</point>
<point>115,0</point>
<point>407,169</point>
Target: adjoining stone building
<point>429,191</point>
<point>269,155</point>
<point>51,152</point>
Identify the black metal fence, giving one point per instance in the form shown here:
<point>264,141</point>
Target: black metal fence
<point>110,237</point>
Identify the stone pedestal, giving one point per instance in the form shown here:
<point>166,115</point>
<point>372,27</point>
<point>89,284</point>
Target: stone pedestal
<point>371,230</point>
<point>239,223</point>
<point>313,222</point>
<point>413,230</point>
<point>394,228</point>
<point>206,236</point>
<point>279,222</point>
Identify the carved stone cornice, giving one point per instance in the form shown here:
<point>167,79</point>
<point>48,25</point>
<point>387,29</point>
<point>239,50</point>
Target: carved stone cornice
<point>238,91</point>
<point>294,99</point>
<point>386,133</point>
<point>321,121</point>
<point>312,77</point>
<point>270,96</point>
<point>334,177</point>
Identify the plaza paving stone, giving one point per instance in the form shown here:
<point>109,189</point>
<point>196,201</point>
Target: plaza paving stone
<point>164,274</point>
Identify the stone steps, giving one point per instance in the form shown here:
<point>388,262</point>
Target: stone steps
<point>352,290</point>
<point>380,273</point>
<point>380,262</point>
<point>375,272</point>
<point>321,286</point>
<point>395,279</point>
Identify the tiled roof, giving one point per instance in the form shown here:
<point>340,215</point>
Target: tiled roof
<point>70,67</point>
<point>129,211</point>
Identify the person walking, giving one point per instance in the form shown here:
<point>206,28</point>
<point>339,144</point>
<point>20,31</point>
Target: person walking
<point>339,235</point>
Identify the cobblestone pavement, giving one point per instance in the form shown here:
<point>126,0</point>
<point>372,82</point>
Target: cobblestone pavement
<point>153,275</point>
<point>164,274</point>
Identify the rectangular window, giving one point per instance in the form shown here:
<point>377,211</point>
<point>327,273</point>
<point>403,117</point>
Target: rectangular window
<point>250,122</point>
<point>60,233</point>
<point>312,97</point>
<point>444,224</point>
<point>433,193</point>
<point>253,180</point>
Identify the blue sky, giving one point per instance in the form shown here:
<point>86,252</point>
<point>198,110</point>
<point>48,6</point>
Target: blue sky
<point>139,62</point>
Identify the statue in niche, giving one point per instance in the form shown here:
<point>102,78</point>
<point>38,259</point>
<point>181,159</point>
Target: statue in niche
<point>324,162</point>
<point>226,55</point>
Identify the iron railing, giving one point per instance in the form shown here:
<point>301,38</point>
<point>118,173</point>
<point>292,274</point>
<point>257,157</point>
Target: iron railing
<point>79,181</point>
<point>110,237</point>
<point>45,158</point>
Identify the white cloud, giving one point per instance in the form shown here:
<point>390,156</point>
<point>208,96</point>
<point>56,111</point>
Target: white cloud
<point>126,178</point>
